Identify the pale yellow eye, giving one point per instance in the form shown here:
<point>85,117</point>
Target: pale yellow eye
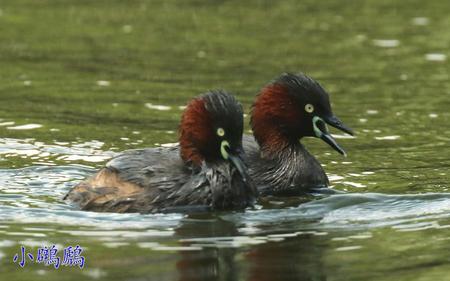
<point>309,108</point>
<point>220,132</point>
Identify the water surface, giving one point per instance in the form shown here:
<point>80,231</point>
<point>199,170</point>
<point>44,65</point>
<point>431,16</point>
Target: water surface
<point>84,80</point>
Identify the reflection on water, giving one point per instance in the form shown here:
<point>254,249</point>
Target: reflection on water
<point>49,154</point>
<point>295,239</point>
<point>118,77</point>
<point>25,127</point>
<point>291,243</point>
<point>435,57</point>
<point>37,191</point>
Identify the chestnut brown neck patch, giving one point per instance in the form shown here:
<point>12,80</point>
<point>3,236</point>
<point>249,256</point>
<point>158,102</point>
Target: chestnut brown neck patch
<point>275,118</point>
<point>195,131</point>
<point>207,121</point>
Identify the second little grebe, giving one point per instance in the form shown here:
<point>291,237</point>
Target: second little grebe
<point>285,111</point>
<point>209,174</point>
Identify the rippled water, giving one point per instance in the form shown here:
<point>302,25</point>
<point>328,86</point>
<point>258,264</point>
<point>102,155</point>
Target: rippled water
<point>82,81</point>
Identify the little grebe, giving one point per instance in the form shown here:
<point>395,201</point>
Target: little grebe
<point>286,110</point>
<point>209,174</point>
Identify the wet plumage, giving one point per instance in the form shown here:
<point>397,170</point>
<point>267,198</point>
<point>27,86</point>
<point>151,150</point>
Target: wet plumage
<point>204,172</point>
<point>286,110</point>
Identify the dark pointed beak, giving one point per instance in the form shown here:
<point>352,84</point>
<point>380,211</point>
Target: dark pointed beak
<point>326,137</point>
<point>234,156</point>
<point>237,162</point>
<point>333,121</point>
<point>322,132</point>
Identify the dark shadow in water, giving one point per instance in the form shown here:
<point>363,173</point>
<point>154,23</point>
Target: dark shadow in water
<point>211,262</point>
<point>296,258</point>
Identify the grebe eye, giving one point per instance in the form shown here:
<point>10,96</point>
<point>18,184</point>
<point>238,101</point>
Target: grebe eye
<point>309,108</point>
<point>224,146</point>
<point>220,132</point>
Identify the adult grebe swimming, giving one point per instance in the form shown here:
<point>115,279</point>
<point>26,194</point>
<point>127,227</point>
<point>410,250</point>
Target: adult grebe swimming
<point>205,171</point>
<point>286,110</point>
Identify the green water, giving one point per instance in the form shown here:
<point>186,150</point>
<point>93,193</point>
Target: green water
<point>100,77</point>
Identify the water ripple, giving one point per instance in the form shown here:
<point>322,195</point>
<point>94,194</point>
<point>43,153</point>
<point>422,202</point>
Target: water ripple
<point>34,195</point>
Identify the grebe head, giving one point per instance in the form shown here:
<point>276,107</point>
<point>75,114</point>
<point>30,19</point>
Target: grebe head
<point>292,107</point>
<point>211,131</point>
